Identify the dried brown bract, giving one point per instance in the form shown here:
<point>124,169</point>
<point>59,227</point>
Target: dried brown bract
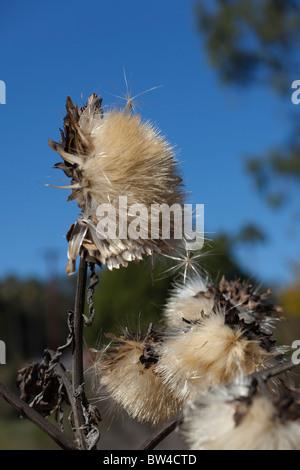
<point>34,382</point>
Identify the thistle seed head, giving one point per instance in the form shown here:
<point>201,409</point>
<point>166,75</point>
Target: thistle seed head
<point>109,155</point>
<point>127,373</point>
<point>215,333</point>
<point>242,416</point>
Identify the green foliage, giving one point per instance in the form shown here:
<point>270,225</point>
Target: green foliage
<point>250,234</point>
<point>127,297</point>
<point>251,40</point>
<point>254,42</point>
<point>22,304</point>
<point>29,311</point>
<point>275,172</point>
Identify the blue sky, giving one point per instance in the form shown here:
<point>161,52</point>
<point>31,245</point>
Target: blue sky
<point>53,49</point>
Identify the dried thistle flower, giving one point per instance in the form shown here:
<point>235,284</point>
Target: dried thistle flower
<point>107,156</point>
<point>127,373</point>
<point>209,341</point>
<point>197,297</point>
<point>242,417</point>
<point>31,382</point>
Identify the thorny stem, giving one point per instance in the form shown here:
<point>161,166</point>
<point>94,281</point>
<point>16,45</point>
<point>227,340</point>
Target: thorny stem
<point>77,354</point>
<point>25,410</point>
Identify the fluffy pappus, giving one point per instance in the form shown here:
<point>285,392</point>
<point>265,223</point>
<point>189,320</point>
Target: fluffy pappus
<point>196,297</point>
<point>239,417</point>
<point>109,155</point>
<point>127,374</point>
<point>215,332</point>
<point>186,302</point>
<point>209,352</point>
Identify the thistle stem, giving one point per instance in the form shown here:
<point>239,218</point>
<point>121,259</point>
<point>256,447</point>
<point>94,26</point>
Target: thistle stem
<point>77,355</point>
<point>162,433</point>
<point>25,410</point>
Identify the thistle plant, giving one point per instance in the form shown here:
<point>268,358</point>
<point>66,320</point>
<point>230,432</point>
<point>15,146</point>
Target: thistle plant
<point>212,366</point>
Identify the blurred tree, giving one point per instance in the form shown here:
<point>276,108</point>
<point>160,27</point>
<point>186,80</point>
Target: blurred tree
<point>278,171</point>
<point>255,43</point>
<point>290,298</point>
<point>250,234</point>
<point>290,295</point>
<point>252,42</point>
<point>23,307</point>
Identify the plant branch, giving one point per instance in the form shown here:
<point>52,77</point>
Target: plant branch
<point>77,354</point>
<point>25,410</point>
<point>266,374</point>
<point>89,295</point>
<point>162,433</point>
<point>60,372</point>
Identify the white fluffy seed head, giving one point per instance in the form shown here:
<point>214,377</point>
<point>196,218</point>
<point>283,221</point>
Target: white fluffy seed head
<point>136,386</point>
<point>199,297</point>
<point>215,333</point>
<point>208,353</point>
<point>186,302</point>
<point>111,155</point>
<point>227,419</point>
